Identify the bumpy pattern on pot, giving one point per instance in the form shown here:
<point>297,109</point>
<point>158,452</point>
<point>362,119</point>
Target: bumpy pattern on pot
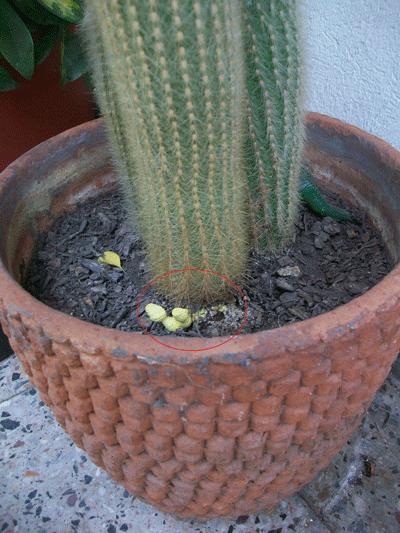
<point>213,438</point>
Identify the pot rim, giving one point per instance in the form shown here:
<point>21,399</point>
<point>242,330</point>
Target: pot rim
<point>293,337</point>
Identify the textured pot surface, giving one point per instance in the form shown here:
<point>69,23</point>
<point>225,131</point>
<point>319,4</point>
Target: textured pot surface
<point>227,431</point>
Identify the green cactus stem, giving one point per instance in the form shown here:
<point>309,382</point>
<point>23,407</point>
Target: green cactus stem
<point>312,197</point>
<point>170,83</point>
<point>275,119</point>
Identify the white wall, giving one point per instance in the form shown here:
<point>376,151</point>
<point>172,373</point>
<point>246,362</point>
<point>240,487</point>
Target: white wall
<point>352,53</point>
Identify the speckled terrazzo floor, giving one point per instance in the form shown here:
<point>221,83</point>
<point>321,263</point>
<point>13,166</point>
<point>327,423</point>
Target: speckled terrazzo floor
<point>49,485</point>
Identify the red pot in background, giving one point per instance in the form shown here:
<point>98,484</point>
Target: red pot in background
<point>40,108</point>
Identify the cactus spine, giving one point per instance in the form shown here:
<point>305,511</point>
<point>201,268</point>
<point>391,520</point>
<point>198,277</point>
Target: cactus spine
<point>169,80</point>
<point>275,122</point>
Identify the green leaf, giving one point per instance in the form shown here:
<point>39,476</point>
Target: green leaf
<point>35,12</point>
<point>69,10</point>
<point>73,61</point>
<point>16,43</point>
<point>44,45</point>
<point>7,83</point>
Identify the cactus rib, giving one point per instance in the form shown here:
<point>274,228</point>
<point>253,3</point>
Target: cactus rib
<point>275,118</point>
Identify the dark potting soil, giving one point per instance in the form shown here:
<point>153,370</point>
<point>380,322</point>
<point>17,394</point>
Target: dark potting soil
<point>329,263</point>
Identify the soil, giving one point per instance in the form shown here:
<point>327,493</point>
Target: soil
<point>329,263</point>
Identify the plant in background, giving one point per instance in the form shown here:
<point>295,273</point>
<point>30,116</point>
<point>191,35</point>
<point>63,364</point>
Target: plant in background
<point>30,29</point>
<point>201,100</point>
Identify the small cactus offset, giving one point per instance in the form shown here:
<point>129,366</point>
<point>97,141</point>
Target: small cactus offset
<point>275,139</point>
<point>170,81</point>
<point>312,197</point>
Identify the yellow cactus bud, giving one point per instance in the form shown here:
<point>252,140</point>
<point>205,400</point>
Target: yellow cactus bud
<point>181,314</point>
<point>200,313</point>
<point>188,322</point>
<point>221,308</point>
<point>155,312</point>
<point>171,324</point>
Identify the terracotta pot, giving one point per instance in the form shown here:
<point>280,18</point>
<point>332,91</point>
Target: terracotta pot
<point>228,431</point>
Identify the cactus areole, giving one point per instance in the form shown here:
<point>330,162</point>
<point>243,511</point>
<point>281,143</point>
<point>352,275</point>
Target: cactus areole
<point>201,100</point>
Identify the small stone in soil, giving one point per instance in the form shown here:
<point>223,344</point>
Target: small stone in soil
<point>288,297</point>
<point>284,285</point>
<point>319,243</point>
<point>356,288</point>
<point>351,233</point>
<point>298,312</point>
<point>293,271</point>
<point>330,226</point>
<point>285,261</point>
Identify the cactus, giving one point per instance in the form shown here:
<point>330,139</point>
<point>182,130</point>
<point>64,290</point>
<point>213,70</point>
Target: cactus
<point>274,146</point>
<point>201,101</point>
<point>312,197</point>
<point>169,80</point>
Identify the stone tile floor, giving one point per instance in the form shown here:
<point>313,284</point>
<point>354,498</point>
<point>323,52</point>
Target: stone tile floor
<point>49,485</point>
